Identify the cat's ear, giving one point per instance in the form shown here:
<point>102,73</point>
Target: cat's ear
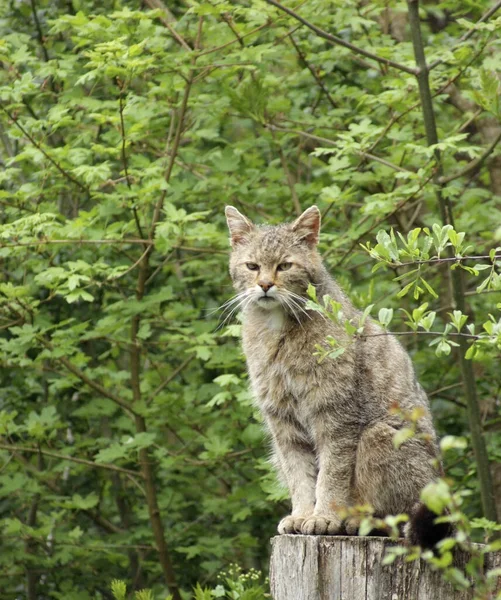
<point>240,227</point>
<point>307,226</point>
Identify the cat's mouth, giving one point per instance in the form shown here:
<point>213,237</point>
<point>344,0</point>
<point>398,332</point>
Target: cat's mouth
<point>267,301</point>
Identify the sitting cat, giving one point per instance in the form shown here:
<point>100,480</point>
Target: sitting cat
<point>331,422</point>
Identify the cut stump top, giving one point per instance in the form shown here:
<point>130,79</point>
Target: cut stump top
<point>305,567</point>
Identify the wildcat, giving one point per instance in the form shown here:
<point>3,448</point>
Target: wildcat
<point>331,423</point>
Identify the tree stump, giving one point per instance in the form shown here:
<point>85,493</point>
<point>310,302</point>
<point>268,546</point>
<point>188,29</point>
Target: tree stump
<point>350,568</point>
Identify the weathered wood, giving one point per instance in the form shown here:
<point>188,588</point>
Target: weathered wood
<point>350,568</point>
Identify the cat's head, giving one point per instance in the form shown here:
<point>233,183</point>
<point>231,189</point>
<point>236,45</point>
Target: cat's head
<point>271,266</point>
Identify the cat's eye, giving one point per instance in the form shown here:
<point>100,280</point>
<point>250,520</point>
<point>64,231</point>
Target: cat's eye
<point>252,266</point>
<point>284,266</point>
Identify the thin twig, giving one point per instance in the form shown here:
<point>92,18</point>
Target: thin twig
<point>469,33</point>
<point>167,18</point>
<point>379,221</point>
<point>172,376</point>
<point>288,175</point>
<point>89,463</point>
<point>173,153</point>
<point>474,164</point>
<point>131,268</point>
<point>44,152</point>
<point>340,42</point>
<point>315,75</point>
<point>86,379</point>
<point>448,259</point>
<point>444,389</point>
<point>324,140</point>
<point>235,41</point>
<point>470,336</point>
<point>42,479</point>
<point>124,158</point>
<point>39,31</point>
<point>76,242</point>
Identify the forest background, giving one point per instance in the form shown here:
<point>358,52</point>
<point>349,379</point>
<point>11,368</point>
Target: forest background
<point>129,445</point>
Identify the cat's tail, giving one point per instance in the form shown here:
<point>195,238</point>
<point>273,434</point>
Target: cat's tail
<point>422,528</point>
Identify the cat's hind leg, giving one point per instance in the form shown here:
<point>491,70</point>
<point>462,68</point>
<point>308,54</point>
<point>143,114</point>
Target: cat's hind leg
<point>388,478</point>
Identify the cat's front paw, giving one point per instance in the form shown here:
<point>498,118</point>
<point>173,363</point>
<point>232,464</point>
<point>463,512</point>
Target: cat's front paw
<point>322,525</point>
<point>291,524</point>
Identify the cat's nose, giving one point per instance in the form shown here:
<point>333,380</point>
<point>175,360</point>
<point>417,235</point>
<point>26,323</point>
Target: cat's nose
<point>265,285</point>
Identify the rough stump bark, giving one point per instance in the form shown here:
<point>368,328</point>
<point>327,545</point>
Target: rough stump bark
<point>350,568</point>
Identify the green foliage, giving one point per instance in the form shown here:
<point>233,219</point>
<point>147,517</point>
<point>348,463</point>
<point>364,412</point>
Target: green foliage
<point>123,133</point>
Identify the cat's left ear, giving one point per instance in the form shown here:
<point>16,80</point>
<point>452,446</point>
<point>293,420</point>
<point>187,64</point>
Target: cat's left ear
<point>240,227</point>
<point>307,226</point>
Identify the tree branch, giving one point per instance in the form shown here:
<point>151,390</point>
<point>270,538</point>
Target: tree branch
<point>315,76</point>
<point>86,379</point>
<point>124,157</point>
<point>458,286</point>
<point>469,33</point>
<point>39,31</point>
<point>474,164</point>
<point>147,467</point>
<point>324,140</point>
<point>39,147</point>
<point>76,242</point>
<point>95,516</point>
<point>449,259</point>
<point>470,336</point>
<point>333,39</point>
<point>288,175</point>
<point>81,461</point>
<point>172,376</point>
<point>167,19</point>
<point>173,153</point>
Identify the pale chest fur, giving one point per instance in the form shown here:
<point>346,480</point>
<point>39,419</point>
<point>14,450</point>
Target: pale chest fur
<point>286,378</point>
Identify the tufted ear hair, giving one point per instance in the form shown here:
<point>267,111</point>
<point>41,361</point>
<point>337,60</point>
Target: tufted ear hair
<point>307,226</point>
<point>240,227</point>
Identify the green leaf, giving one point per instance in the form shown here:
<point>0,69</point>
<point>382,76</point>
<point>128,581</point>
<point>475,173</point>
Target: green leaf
<point>450,442</point>
<point>429,288</point>
<point>402,435</point>
<point>385,316</point>
<point>111,454</point>
<point>118,589</point>
<point>437,496</point>
<point>405,290</point>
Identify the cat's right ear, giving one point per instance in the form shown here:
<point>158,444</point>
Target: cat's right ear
<point>240,227</point>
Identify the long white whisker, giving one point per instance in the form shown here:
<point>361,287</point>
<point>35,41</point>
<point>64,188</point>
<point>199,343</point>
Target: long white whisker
<point>228,303</point>
<point>297,305</point>
<point>243,301</point>
<point>228,317</point>
<point>296,296</point>
<point>287,303</point>
<point>235,302</point>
